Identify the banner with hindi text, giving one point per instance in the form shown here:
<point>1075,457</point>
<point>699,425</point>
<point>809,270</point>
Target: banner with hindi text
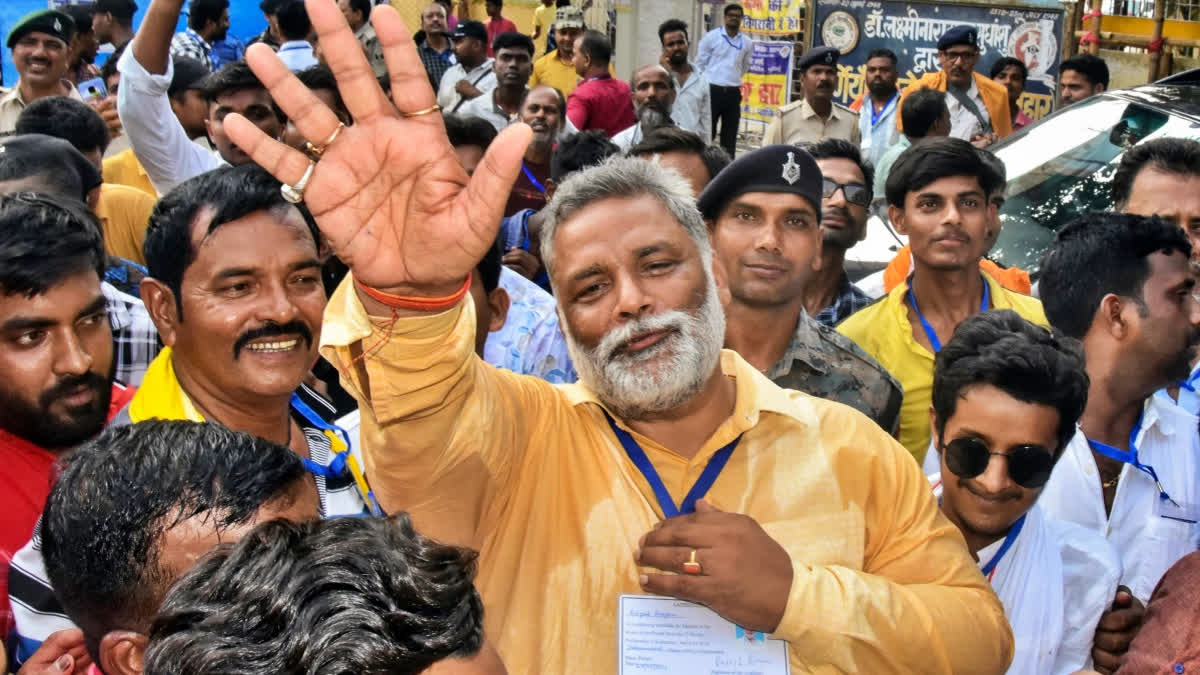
<point>766,87</point>
<point>773,17</point>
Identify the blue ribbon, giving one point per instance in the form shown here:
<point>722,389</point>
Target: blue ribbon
<point>1131,458</point>
<point>929,332</point>
<point>665,501</point>
<point>338,465</point>
<point>1008,542</point>
<point>532,179</point>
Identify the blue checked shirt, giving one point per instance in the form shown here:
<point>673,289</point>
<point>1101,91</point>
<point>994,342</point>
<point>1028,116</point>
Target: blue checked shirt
<point>189,44</point>
<point>848,301</point>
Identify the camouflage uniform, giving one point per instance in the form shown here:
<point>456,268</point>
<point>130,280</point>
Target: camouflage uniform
<point>823,363</point>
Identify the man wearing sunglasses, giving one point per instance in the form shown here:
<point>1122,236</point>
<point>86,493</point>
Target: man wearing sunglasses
<point>845,195</point>
<point>764,214</point>
<point>1121,284</point>
<point>1054,578</point>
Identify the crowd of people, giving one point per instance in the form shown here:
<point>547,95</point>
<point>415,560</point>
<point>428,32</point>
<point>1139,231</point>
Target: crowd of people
<point>235,311</point>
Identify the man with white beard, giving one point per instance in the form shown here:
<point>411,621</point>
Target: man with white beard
<point>653,96</point>
<point>802,520</point>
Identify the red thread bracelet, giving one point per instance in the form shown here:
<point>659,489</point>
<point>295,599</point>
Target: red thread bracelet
<point>415,303</point>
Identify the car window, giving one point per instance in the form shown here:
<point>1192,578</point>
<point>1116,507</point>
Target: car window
<point>1061,168</point>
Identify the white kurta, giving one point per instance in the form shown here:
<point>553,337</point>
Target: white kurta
<point>1146,542</point>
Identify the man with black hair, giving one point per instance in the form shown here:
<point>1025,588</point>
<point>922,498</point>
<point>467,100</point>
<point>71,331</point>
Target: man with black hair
<point>113,21</point>
<point>723,56</point>
<point>161,144</point>
<point>1005,388</point>
<point>877,126</point>
<point>1122,285</point>
<point>474,75</point>
<point>1081,76</point>
<point>692,156</point>
<point>208,22</point>
<point>270,35</point>
<point>653,92</point>
<point>56,362</point>
<point>512,65</point>
<point>294,27</point>
<point>358,15</point>
<point>925,115</point>
<point>497,25</point>
<point>109,72</point>
<point>123,211</point>
<point>1012,73</point>
<point>815,116</point>
<point>765,222</point>
<point>938,195</point>
<point>130,512</point>
<point>306,584</point>
<point>81,55</point>
<point>601,101</point>
<point>1161,177</point>
<point>40,42</point>
<point>693,99</point>
<point>320,81</point>
<point>847,177</point>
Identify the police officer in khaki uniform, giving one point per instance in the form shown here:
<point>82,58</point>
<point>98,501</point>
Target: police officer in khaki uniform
<point>816,117</point>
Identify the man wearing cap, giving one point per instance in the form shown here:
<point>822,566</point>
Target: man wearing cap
<point>40,43</point>
<point>979,110</point>
<point>764,215</point>
<point>473,75</point>
<point>815,117</point>
<point>557,68</point>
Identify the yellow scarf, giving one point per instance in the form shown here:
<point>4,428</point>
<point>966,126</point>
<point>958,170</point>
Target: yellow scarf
<point>160,396</point>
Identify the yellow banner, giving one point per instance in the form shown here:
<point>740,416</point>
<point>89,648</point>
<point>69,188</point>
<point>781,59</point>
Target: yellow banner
<point>773,17</point>
<point>765,87</point>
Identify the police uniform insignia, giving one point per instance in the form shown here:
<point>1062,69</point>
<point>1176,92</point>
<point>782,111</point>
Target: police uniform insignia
<point>791,170</point>
<point>57,26</point>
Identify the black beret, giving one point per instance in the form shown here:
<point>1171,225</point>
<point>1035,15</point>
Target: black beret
<point>775,168</point>
<point>959,35</point>
<point>49,21</point>
<point>822,56</point>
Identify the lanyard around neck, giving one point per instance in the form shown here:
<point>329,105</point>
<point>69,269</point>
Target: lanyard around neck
<point>532,179</point>
<point>341,462</point>
<point>740,43</point>
<point>990,568</point>
<point>667,503</point>
<point>1131,458</point>
<point>882,111</point>
<point>934,342</point>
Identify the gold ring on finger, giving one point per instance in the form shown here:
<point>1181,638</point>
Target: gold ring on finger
<point>692,566</point>
<point>428,111</point>
<point>314,152</point>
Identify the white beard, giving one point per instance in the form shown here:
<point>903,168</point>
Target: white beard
<point>661,377</point>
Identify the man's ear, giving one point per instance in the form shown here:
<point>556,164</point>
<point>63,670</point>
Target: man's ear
<point>896,217</point>
<point>721,279</point>
<point>1112,313</point>
<point>163,308</point>
<point>499,302</point>
<point>123,653</point>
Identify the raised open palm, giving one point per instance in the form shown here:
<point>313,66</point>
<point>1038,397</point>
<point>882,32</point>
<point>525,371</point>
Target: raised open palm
<point>388,193</point>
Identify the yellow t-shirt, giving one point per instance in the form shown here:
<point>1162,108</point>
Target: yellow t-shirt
<point>543,17</point>
<point>884,331</point>
<point>532,476</point>
<point>124,213</point>
<point>124,168</point>
<point>551,70</point>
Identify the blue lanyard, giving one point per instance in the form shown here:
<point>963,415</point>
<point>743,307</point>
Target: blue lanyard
<point>532,179</point>
<point>339,466</point>
<point>1008,542</point>
<point>1190,383</point>
<point>1131,458</point>
<point>703,483</point>
<point>741,42</point>
<point>875,118</point>
<point>929,332</point>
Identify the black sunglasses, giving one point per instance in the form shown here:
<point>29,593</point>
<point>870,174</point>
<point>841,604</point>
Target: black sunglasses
<point>856,193</point>
<point>1028,465</point>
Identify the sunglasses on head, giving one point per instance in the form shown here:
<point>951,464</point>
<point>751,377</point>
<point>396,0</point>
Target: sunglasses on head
<point>1028,465</point>
<point>856,193</point>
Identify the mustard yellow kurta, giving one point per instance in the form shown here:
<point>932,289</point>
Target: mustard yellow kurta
<point>884,331</point>
<point>532,476</point>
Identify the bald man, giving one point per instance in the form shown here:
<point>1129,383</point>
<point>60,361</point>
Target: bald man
<point>653,92</point>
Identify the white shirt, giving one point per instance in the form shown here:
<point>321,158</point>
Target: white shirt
<point>963,123</point>
<point>722,59</point>
<point>485,107</point>
<point>692,109</point>
<point>482,77</point>
<point>297,55</point>
<point>158,140</point>
<point>629,138</point>
<point>1146,542</point>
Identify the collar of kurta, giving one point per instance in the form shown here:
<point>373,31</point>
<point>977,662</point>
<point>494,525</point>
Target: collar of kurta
<point>160,395</point>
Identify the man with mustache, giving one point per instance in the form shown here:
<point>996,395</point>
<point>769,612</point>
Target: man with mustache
<point>811,525</point>
<point>979,109</point>
<point>653,93</point>
<point>815,117</point>
<point>56,357</point>
<point>545,111</point>
<point>1081,76</point>
<point>1122,285</point>
<point>557,68</point>
<point>766,214</point>
<point>938,196</point>
<point>692,110</point>
<point>40,43</point>
<point>1006,397</point>
<point>877,126</point>
<point>208,22</point>
<point>513,64</point>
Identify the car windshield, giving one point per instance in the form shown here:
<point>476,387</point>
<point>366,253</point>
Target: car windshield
<point>1061,168</point>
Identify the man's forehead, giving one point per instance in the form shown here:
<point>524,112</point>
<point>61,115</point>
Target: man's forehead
<point>41,37</point>
<point>789,201</point>
<point>283,216</point>
<point>651,73</point>
<point>1168,269</point>
<point>243,97</point>
<point>839,167</point>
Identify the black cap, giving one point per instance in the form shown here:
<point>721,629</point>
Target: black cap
<point>40,154</point>
<point>49,21</point>
<point>819,56</point>
<point>775,168</point>
<point>959,35</point>
<point>188,74</point>
<point>470,29</point>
